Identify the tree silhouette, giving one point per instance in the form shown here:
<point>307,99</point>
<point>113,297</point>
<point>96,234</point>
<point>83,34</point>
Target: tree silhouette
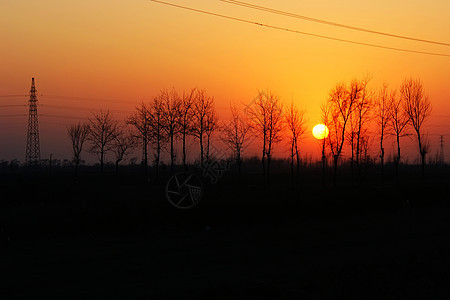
<point>157,134</point>
<point>266,115</point>
<point>326,120</point>
<point>350,135</point>
<point>78,134</point>
<point>382,117</point>
<point>417,107</point>
<point>296,124</point>
<point>398,121</point>
<point>185,116</point>
<point>102,134</point>
<point>275,126</point>
<point>212,124</point>
<point>141,121</point>
<point>363,110</point>
<point>202,109</point>
<point>124,142</point>
<point>234,135</point>
<point>340,107</point>
<point>171,103</point>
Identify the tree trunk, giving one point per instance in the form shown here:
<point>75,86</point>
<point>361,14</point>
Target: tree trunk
<point>292,162</point>
<point>117,166</point>
<point>263,159</point>
<point>171,153</point>
<point>201,149</point>
<point>352,160</point>
<point>145,143</point>
<point>184,151</point>
<point>323,161</point>
<point>158,156</point>
<point>382,155</point>
<point>207,147</point>
<point>397,161</point>
<point>101,160</point>
<point>422,154</point>
<point>238,160</point>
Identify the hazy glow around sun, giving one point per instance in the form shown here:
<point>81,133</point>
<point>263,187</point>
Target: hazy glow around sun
<point>320,131</point>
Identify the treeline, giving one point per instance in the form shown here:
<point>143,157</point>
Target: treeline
<point>352,110</point>
<point>172,119</point>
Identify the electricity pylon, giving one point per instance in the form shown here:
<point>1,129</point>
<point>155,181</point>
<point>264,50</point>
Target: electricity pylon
<point>33,154</point>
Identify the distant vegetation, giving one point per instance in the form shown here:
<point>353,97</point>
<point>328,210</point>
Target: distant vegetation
<point>359,119</point>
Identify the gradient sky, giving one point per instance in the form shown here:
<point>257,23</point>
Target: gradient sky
<point>82,52</point>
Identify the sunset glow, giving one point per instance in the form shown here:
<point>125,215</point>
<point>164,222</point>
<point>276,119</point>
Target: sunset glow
<point>92,55</point>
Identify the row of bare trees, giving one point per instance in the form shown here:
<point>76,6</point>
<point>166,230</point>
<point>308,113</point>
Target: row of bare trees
<point>351,112</point>
<point>158,124</point>
<point>104,134</point>
<point>270,122</point>
<point>171,117</point>
<point>351,109</point>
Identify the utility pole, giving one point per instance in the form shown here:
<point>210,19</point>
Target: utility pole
<point>33,153</point>
<point>441,152</point>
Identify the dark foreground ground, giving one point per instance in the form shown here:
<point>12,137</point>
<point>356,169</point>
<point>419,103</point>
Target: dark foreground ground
<point>120,239</point>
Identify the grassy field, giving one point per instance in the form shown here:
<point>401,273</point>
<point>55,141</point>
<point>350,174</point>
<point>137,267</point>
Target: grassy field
<point>116,237</point>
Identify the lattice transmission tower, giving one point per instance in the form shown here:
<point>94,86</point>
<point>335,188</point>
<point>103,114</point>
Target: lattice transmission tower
<point>33,154</point>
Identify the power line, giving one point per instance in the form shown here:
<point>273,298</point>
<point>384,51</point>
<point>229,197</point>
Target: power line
<point>84,108</point>
<point>9,96</point>
<point>66,107</point>
<point>12,105</point>
<point>306,18</point>
<point>62,116</point>
<point>21,115</point>
<point>300,32</point>
<point>87,99</point>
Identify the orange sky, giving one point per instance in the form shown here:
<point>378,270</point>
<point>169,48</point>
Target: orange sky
<point>129,50</point>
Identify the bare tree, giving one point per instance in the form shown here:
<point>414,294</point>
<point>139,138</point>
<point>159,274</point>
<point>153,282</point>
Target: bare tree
<point>212,124</point>
<point>124,142</point>
<point>141,121</point>
<point>170,120</point>
<point>398,121</point>
<point>296,124</point>
<point>78,134</point>
<point>382,117</point>
<point>340,107</point>
<point>102,134</point>
<point>202,108</point>
<point>351,138</point>
<point>258,116</point>
<point>157,134</point>
<point>418,108</point>
<point>266,115</point>
<point>363,111</point>
<point>326,120</point>
<point>275,126</point>
<point>185,115</point>
<point>234,135</point>
<point>366,141</point>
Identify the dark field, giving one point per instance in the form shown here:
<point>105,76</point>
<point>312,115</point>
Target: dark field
<point>118,237</point>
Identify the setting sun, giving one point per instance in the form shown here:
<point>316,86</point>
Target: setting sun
<point>320,131</point>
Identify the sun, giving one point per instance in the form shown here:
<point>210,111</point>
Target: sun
<point>320,131</point>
